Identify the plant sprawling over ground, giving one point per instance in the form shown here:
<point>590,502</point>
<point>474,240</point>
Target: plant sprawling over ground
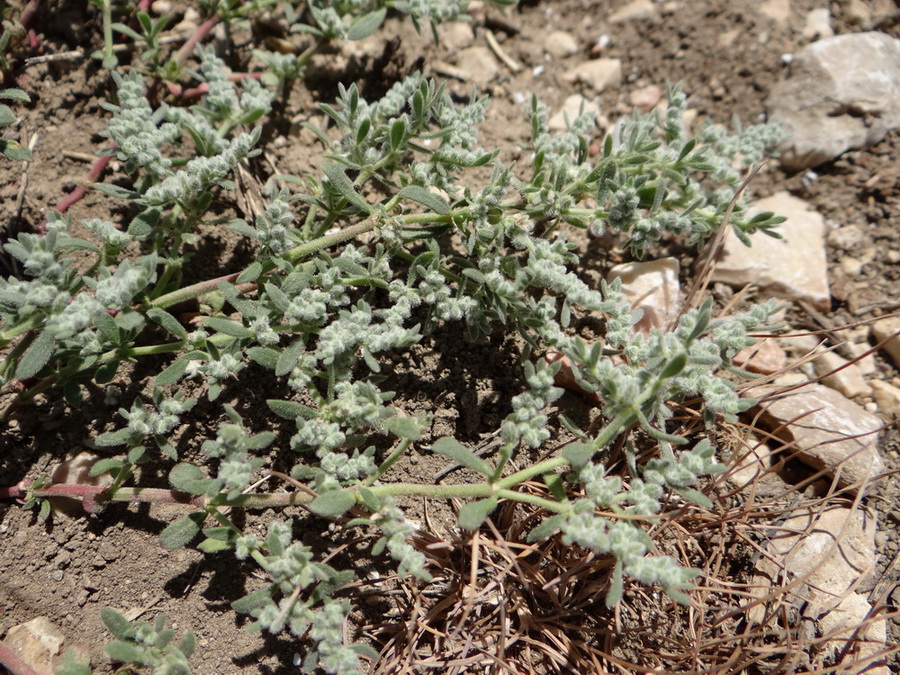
<point>393,239</point>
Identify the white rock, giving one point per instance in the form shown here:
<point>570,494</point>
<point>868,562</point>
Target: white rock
<point>851,626</point>
<point>570,110</point>
<point>888,331</point>
<point>560,44</point>
<point>794,268</point>
<point>456,35</point>
<point>778,11</point>
<point>478,65</point>
<point>828,430</point>
<point>836,98</point>
<point>818,24</point>
<point>596,73</point>
<point>652,287</point>
<point>887,396</point>
<point>638,10</point>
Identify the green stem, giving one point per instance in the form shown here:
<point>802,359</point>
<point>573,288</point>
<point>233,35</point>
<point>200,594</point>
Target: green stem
<point>329,240</point>
<point>386,464</point>
<point>192,291</point>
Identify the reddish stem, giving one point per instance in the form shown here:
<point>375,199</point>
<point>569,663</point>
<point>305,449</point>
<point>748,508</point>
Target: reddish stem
<point>188,47</point>
<point>30,11</point>
<point>92,495</point>
<point>78,193</point>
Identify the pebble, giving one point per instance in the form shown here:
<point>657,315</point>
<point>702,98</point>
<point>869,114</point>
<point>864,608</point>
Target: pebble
<point>775,265</point>
<point>598,74</point>
<point>887,397</point>
<point>764,358</point>
<point>477,65</point>
<point>560,44</point>
<point>851,266</point>
<point>818,24</point>
<point>638,10</point>
<point>888,331</point>
<point>778,11</point>
<point>457,35</point>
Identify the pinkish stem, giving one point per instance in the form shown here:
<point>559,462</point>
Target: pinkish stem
<point>78,193</point>
<point>92,495</point>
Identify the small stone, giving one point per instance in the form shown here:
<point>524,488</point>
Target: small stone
<point>888,332</point>
<point>638,10</point>
<point>456,35</point>
<point>818,24</point>
<point>828,430</point>
<point>645,98</point>
<point>857,11</point>
<point>834,370</point>
<point>560,44</point>
<point>851,266</point>
<point>774,264</point>
<point>887,397</point>
<point>161,7</point>
<point>478,65</point>
<point>778,11</point>
<point>573,106</point>
<point>597,74</point>
<point>109,551</point>
<point>652,287</point>
<point>751,461</point>
<point>765,358</point>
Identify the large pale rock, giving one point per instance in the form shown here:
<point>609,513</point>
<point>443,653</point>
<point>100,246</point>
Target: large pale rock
<point>851,620</point>
<point>827,430</point>
<point>598,74</point>
<point>652,287</point>
<point>887,331</point>
<point>841,92</point>
<point>828,553</point>
<point>795,268</point>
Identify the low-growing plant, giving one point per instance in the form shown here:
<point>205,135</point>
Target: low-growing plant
<point>393,239</point>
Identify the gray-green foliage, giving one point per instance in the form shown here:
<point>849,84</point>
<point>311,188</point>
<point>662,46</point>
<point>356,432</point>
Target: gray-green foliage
<point>147,646</point>
<point>324,314</point>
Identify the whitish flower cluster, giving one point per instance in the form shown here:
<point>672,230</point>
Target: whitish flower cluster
<point>137,130</point>
<point>292,568</point>
<point>233,446</point>
<point>397,531</point>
